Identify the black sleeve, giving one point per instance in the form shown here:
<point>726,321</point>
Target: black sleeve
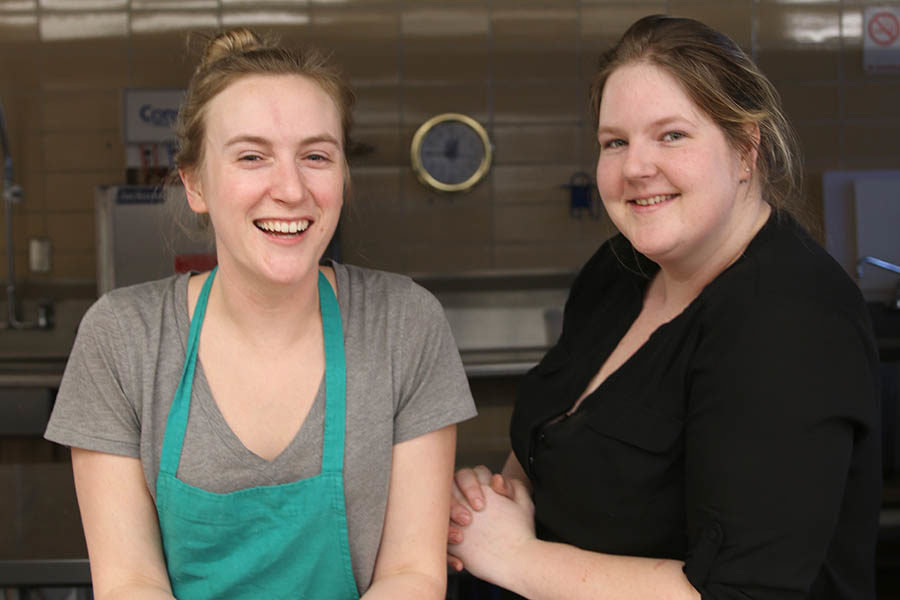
<point>777,397</point>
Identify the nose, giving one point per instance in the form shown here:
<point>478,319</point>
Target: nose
<point>639,162</point>
<point>287,183</point>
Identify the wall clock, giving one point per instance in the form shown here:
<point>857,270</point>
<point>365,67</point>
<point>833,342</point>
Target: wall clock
<point>450,152</point>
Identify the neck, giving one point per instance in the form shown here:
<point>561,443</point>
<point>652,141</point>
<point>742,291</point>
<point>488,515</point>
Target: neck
<point>679,282</point>
<point>266,318</point>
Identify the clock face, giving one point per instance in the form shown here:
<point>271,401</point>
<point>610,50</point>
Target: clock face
<point>451,152</point>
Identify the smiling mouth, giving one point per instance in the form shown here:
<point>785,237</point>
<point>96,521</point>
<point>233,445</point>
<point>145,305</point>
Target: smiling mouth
<point>653,199</point>
<point>282,228</point>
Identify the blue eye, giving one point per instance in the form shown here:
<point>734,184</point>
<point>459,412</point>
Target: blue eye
<point>612,144</point>
<point>250,158</point>
<point>673,136</point>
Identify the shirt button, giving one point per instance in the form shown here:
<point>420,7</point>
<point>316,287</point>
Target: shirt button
<point>542,437</point>
<point>531,460</point>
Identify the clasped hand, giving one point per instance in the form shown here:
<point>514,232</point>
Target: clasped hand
<point>491,523</point>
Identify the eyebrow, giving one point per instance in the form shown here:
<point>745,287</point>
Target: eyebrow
<point>255,139</point>
<point>655,124</point>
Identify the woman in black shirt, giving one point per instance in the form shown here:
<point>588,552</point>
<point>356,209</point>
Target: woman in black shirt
<point>707,424</point>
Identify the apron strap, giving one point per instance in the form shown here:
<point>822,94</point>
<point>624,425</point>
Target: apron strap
<point>176,424</point>
<point>335,378</point>
<point>335,382</point>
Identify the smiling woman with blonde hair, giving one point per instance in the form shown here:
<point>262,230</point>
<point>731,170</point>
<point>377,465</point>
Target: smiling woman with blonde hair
<point>277,427</point>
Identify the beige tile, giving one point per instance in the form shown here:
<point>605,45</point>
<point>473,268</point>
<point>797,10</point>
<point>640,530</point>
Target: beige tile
<point>167,30</point>
<point>32,181</point>
<point>19,27</point>
<point>66,191</point>
<point>446,222</point>
<point>348,3</point>
<point>819,139</point>
<point>85,25</point>
<point>518,185</point>
<point>415,196</point>
<point>533,223</point>
<point>799,25</point>
<point>74,265</point>
<point>378,146</point>
<point>798,64</point>
<point>333,27</point>
<point>852,65</point>
<point>81,5</point>
<point>602,23</point>
<point>377,105</point>
<point>469,24</point>
<point>182,4</point>
<point>93,151</point>
<point>160,71</point>
<point>369,64</point>
<point>26,225</point>
<point>421,102</point>
<point>71,231</point>
<point>540,62</point>
<point>543,255</point>
<point>447,257</point>
<point>375,190</point>
<point>536,144</point>
<point>422,258</point>
<point>868,162</point>
<point>542,26</point>
<point>275,18</point>
<point>82,110</point>
<point>733,18</point>
<point>88,65</point>
<point>878,99</point>
<point>16,73</point>
<point>537,102</point>
<point>810,101</point>
<point>433,62</point>
<point>872,140</point>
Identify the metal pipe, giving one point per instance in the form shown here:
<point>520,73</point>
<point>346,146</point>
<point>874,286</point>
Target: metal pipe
<point>12,194</point>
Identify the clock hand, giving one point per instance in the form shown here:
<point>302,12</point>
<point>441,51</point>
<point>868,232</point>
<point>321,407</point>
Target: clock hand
<point>451,149</point>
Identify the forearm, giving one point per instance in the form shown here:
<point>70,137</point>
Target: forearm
<point>550,571</point>
<point>407,585</point>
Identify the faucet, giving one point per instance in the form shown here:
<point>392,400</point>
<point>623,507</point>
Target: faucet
<point>887,266</point>
<point>13,194</point>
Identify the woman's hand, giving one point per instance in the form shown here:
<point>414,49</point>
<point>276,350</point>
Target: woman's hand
<point>498,532</point>
<point>467,495</point>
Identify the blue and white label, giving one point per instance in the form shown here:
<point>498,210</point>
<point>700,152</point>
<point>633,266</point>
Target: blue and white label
<point>150,115</point>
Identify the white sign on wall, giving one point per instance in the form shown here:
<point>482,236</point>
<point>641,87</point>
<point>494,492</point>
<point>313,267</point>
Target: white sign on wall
<point>150,114</point>
<point>881,40</point>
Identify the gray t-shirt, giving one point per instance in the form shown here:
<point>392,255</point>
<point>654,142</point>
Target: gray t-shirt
<point>404,379</point>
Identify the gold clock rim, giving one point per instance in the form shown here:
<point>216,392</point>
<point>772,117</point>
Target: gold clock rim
<point>423,174</point>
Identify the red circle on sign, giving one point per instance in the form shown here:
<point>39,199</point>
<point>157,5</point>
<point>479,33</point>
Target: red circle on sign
<point>884,28</point>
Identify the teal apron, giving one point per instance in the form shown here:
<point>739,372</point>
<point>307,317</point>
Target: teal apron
<point>277,541</point>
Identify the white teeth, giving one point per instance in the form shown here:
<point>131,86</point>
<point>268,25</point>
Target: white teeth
<point>283,226</point>
<point>653,199</point>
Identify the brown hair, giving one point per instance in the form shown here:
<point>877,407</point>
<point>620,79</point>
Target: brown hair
<point>725,84</point>
<point>236,53</point>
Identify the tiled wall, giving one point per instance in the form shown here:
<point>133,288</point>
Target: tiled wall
<point>521,67</point>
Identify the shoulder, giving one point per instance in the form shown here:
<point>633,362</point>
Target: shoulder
<point>784,272</point>
<point>130,307</point>
<point>787,307</point>
<point>382,291</point>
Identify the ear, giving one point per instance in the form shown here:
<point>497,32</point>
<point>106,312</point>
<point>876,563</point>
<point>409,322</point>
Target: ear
<point>193,190</point>
<point>749,159</point>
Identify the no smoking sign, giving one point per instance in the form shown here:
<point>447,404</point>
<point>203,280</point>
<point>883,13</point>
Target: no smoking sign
<point>881,45</point>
